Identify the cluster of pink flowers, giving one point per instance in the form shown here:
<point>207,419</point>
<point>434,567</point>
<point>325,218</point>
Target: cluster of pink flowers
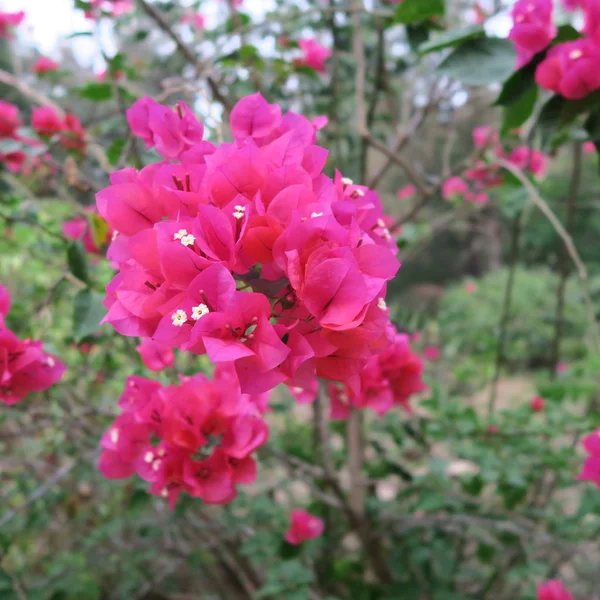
<point>569,68</point>
<point>24,366</point>
<point>314,54</point>
<point>247,251</point>
<point>16,160</point>
<point>112,8</point>
<point>195,19</point>
<point>196,437</point>
<point>155,356</point>
<point>388,380</point>
<point>8,21</point>
<point>532,29</point>
<point>47,123</point>
<point>553,590</point>
<point>486,173</point>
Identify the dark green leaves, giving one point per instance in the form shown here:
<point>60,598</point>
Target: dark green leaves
<point>518,112</point>
<point>415,11</point>
<point>88,311</point>
<point>77,261</point>
<point>96,92</point>
<point>480,61</point>
<point>449,39</point>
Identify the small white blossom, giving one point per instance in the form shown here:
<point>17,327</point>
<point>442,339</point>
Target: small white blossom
<point>347,181</point>
<point>316,214</point>
<point>148,457</point>
<point>179,317</point>
<point>199,311</point>
<point>180,234</point>
<point>381,303</point>
<point>188,240</point>
<point>114,435</point>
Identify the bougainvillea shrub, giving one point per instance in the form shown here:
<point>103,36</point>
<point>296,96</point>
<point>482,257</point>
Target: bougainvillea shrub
<point>300,300</point>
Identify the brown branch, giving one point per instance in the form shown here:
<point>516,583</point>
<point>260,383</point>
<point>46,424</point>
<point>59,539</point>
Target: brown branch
<point>574,188</point>
<point>567,240</point>
<point>372,547</point>
<point>186,52</point>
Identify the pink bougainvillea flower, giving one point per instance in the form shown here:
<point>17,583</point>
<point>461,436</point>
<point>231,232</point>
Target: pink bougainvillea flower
<point>25,368</point>
<point>8,21</point>
<point>553,590</point>
<point>46,121</point>
<point>44,65</point>
<point>73,135</point>
<point>529,160</point>
<point>484,136</point>
<point>119,8</point>
<point>406,192</point>
<point>303,526</point>
<point>320,122</point>
<point>454,187</point>
<point>171,132</point>
<point>196,437</point>
<point>570,69</point>
<point>9,119</point>
<point>572,5</point>
<point>532,29</point>
<point>470,287</point>
<point>562,367</point>
<point>591,466</point>
<point>315,54</point>
<point>196,20</point>
<point>432,353</point>
<point>537,404</point>
<point>589,148</point>
<point>5,303</point>
<point>155,356</point>
<point>591,26</point>
<point>247,251</point>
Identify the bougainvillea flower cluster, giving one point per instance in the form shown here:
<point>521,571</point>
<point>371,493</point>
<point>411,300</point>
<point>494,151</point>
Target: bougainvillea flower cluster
<point>388,380</point>
<point>197,437</point>
<point>24,365</point>
<point>248,252</point>
<point>485,173</point>
<point>568,68</point>
<point>314,54</point>
<point>532,29</point>
<point>44,65</point>
<point>47,123</point>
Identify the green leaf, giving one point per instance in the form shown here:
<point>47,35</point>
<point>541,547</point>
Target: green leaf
<point>519,83</point>
<point>516,114</point>
<point>415,11</point>
<point>241,19</point>
<point>115,150</point>
<point>449,39</point>
<point>96,92</point>
<point>480,61</point>
<point>566,33</point>
<point>77,261</point>
<point>88,311</point>
<point>78,34</point>
<point>99,228</point>
<point>417,35</point>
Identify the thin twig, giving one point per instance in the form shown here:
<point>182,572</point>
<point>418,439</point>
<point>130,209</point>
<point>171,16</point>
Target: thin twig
<point>186,51</point>
<point>568,242</point>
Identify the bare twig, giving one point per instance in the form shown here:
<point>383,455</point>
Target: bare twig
<point>186,52</point>
<point>568,242</point>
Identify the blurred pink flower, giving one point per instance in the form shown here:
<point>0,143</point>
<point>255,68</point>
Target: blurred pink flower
<point>562,367</point>
<point>196,20</point>
<point>537,404</point>
<point>315,54</point>
<point>44,65</point>
<point>470,287</point>
<point>154,355</point>
<point>454,187</point>
<point>406,192</point>
<point>589,148</point>
<point>9,20</point>
<point>432,353</point>
<point>553,590</point>
<point>532,29</point>
<point>303,526</point>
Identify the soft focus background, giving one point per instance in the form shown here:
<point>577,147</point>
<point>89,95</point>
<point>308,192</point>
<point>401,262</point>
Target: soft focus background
<point>474,491</point>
